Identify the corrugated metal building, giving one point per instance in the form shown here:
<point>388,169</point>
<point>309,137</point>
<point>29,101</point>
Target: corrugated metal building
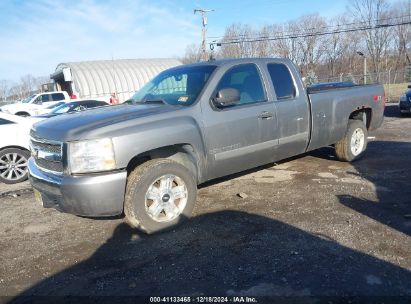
<point>99,79</point>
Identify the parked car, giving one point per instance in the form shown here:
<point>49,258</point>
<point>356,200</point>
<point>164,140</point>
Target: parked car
<point>189,125</point>
<point>49,108</point>
<point>405,102</point>
<point>14,147</point>
<point>35,104</point>
<point>74,106</point>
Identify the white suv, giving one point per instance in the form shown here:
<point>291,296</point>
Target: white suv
<point>14,147</point>
<point>36,104</point>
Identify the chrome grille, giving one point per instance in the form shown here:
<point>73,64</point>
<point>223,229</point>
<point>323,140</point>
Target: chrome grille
<point>51,148</point>
<point>49,165</point>
<point>48,155</point>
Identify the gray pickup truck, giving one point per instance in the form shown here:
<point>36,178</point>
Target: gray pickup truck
<point>191,124</point>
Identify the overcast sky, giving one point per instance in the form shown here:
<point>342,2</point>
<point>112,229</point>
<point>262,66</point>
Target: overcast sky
<point>37,35</point>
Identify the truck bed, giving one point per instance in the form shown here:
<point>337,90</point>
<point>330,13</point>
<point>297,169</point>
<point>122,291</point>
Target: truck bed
<point>319,87</point>
<point>331,105</point>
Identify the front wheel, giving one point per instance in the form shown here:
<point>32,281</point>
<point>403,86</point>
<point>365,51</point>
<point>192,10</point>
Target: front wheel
<point>352,146</point>
<point>160,194</point>
<point>13,165</point>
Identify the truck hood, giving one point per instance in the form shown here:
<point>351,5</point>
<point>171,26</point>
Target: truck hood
<point>82,125</point>
<point>14,107</point>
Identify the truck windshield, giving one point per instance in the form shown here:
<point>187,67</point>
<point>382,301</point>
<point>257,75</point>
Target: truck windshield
<point>177,86</point>
<point>53,106</point>
<point>63,108</point>
<point>27,99</point>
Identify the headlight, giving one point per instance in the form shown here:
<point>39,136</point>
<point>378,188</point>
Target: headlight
<point>403,97</point>
<point>91,156</point>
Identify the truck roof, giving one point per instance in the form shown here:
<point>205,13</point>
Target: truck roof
<point>221,62</point>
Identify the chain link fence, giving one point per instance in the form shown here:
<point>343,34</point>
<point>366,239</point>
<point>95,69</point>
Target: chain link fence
<point>395,81</point>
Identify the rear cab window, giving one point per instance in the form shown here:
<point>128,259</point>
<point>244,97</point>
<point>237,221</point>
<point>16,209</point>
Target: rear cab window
<point>57,96</point>
<point>45,98</point>
<point>282,81</point>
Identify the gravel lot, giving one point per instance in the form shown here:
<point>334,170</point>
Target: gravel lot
<point>307,226</point>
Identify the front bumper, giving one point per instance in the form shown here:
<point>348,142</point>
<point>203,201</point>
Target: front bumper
<point>405,106</point>
<point>92,195</point>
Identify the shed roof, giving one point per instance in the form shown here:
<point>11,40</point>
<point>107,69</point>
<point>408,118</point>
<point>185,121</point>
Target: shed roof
<point>103,77</point>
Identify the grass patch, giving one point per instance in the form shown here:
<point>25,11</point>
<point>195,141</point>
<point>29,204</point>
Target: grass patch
<point>394,91</point>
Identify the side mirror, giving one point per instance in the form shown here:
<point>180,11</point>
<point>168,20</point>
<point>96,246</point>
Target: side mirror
<point>39,102</point>
<point>227,97</point>
<point>409,86</point>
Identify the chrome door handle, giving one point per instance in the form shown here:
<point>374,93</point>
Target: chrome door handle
<point>265,115</point>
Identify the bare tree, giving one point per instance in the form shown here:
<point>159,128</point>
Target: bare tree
<point>263,46</point>
<point>312,46</point>
<point>231,50</point>
<point>305,42</point>
<point>28,84</point>
<point>16,92</point>
<point>402,36</point>
<point>284,47</point>
<point>192,54</point>
<point>306,52</point>
<point>4,90</point>
<point>370,13</point>
<point>334,48</point>
<point>238,37</point>
<point>351,62</point>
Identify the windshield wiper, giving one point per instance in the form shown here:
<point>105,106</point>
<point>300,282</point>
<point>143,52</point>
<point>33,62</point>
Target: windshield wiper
<point>143,101</point>
<point>146,101</point>
<point>154,101</point>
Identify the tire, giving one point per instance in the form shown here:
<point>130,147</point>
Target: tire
<point>170,201</point>
<point>352,146</point>
<point>13,165</point>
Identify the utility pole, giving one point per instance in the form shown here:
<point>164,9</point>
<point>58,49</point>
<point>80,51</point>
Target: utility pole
<point>365,65</point>
<point>204,30</point>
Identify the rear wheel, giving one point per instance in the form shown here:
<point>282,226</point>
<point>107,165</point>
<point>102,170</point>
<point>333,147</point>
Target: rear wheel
<point>352,146</point>
<point>160,194</point>
<point>13,165</point>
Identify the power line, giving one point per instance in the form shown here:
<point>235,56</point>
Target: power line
<point>322,27</point>
<point>305,35</point>
<point>291,32</point>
